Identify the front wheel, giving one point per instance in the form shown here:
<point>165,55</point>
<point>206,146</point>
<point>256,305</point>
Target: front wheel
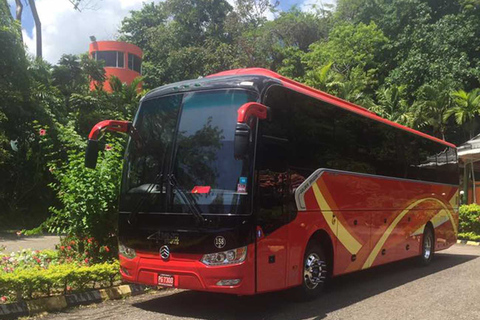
<point>428,246</point>
<point>314,274</point>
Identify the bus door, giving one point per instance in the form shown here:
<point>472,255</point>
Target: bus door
<point>271,213</point>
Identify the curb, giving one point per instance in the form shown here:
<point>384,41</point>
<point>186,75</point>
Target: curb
<point>57,303</point>
<point>468,242</point>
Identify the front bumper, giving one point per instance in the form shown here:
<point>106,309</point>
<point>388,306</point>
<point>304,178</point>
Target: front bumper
<point>190,273</point>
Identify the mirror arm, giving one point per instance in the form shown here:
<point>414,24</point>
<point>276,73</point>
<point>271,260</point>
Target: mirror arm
<point>93,145</point>
<point>251,109</point>
<point>110,125</point>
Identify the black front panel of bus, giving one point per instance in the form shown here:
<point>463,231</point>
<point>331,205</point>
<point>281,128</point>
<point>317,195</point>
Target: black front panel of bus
<point>183,234</point>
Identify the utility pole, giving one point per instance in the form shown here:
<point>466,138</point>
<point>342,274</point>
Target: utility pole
<point>38,27</point>
<point>19,10</point>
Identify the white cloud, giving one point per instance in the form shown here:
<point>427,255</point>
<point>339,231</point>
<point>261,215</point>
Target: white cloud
<point>65,30</point>
<point>311,5</point>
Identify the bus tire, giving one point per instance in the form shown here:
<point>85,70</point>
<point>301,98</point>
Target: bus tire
<point>428,246</point>
<point>314,274</point>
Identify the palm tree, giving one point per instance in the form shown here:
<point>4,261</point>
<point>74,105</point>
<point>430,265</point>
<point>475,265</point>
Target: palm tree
<point>433,103</point>
<point>393,105</point>
<point>126,94</point>
<point>320,78</point>
<point>466,108</point>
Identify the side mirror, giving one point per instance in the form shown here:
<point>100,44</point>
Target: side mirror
<point>243,130</point>
<point>242,141</point>
<point>93,145</point>
<point>91,154</point>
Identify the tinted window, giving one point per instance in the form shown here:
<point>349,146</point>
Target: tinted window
<point>111,58</point>
<point>120,59</point>
<point>134,63</point>
<point>324,136</point>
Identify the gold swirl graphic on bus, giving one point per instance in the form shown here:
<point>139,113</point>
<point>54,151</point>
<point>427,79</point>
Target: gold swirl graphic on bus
<point>373,254</point>
<point>348,241</point>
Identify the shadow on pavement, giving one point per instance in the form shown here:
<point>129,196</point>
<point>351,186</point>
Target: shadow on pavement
<point>343,291</point>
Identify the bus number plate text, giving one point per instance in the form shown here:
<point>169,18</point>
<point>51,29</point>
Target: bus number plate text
<point>165,280</point>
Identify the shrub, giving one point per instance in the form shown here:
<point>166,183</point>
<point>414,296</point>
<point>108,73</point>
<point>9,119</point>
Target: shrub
<point>56,279</point>
<point>86,250</point>
<point>469,236</point>
<point>88,197</point>
<point>27,259</point>
<point>469,219</point>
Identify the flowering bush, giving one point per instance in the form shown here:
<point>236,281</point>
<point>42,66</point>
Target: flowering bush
<point>87,250</point>
<point>88,198</point>
<point>27,259</point>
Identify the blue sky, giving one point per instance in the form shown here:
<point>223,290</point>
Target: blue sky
<point>65,30</point>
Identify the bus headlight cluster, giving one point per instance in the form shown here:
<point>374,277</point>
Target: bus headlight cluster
<point>125,251</point>
<point>226,257</point>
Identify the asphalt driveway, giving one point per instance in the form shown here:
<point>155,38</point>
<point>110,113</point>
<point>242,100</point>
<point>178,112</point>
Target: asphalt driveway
<point>447,289</point>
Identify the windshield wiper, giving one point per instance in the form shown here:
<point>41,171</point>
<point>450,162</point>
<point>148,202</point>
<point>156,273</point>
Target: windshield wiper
<point>188,201</point>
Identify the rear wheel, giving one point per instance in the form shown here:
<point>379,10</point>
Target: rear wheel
<point>428,246</point>
<point>314,274</point>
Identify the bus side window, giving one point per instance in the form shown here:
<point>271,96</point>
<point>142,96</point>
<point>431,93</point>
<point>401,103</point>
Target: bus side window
<point>273,183</point>
<point>427,165</point>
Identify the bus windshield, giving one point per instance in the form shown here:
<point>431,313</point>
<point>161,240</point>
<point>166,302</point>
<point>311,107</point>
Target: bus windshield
<point>184,157</point>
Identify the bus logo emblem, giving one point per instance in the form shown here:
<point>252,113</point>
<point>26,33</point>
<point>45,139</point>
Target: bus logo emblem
<point>164,252</point>
<point>220,242</point>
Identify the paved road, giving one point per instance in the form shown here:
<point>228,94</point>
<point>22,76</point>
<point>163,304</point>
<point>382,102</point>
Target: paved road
<point>35,243</point>
<point>447,289</point>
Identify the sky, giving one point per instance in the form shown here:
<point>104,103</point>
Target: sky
<point>67,31</point>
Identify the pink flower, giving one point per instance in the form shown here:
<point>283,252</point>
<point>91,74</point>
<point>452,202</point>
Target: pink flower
<point>86,260</point>
<point>43,132</point>
<point>69,248</point>
<point>62,248</point>
<point>3,299</point>
<point>108,147</point>
<point>69,288</point>
<point>107,249</point>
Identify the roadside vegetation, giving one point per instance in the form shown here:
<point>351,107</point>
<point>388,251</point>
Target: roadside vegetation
<point>33,274</point>
<point>469,224</point>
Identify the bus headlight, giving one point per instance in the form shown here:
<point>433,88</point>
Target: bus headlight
<point>125,251</point>
<point>226,257</point>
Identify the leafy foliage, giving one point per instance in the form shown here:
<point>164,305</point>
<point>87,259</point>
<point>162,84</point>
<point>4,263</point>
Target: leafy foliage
<point>56,279</point>
<point>88,197</point>
<point>469,219</point>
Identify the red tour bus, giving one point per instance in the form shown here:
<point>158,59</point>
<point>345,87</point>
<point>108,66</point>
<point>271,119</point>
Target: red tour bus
<point>246,182</point>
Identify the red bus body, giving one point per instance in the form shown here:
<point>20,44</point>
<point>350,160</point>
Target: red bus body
<point>370,220</point>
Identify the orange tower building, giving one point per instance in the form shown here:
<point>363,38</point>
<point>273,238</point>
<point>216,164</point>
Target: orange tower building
<point>123,60</point>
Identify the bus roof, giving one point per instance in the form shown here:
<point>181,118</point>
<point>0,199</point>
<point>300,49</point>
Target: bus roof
<point>317,94</point>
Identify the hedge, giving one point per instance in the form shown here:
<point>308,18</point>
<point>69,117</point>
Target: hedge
<point>469,219</point>
<point>469,236</point>
<point>56,279</point>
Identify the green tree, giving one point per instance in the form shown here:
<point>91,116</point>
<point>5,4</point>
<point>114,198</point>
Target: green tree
<point>392,105</point>
<point>433,102</point>
<point>466,108</point>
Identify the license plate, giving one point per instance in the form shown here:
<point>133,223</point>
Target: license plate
<point>166,280</point>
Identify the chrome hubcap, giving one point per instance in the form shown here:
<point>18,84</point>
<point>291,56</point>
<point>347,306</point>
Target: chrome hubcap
<point>314,271</point>
<point>427,247</point>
